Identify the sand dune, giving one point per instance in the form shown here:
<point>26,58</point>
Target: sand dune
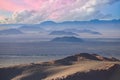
<point>82,66</point>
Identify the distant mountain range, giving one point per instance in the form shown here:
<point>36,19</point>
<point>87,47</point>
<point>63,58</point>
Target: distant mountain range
<point>67,22</point>
<point>63,33</point>
<point>10,31</point>
<point>83,31</point>
<point>80,22</point>
<point>93,28</point>
<point>34,27</point>
<point>48,25</point>
<point>67,39</point>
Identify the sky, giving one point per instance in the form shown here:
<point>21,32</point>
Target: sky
<point>37,11</point>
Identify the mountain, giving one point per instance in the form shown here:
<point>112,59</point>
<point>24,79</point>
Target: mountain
<point>67,39</point>
<point>93,28</point>
<point>90,31</point>
<point>10,31</point>
<point>67,22</point>
<point>63,33</point>
<point>97,21</point>
<point>105,21</point>
<point>83,57</point>
<point>81,66</point>
<point>48,23</point>
<point>83,31</point>
<point>35,27</point>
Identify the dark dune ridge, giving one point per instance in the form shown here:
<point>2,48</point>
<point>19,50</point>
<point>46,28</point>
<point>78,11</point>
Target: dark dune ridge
<point>82,66</point>
<point>82,57</point>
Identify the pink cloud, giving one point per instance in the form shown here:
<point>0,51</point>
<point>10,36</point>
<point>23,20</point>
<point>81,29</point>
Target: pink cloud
<point>37,11</point>
<point>2,17</point>
<point>34,4</point>
<point>10,5</point>
<point>16,5</point>
<point>52,9</point>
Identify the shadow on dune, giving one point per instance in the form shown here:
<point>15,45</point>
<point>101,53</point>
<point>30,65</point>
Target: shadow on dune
<point>34,72</point>
<point>9,73</point>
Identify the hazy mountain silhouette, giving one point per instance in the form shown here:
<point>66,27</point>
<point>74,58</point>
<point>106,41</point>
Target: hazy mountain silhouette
<point>83,31</point>
<point>67,39</point>
<point>97,21</point>
<point>10,31</point>
<point>35,27</point>
<point>63,33</point>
